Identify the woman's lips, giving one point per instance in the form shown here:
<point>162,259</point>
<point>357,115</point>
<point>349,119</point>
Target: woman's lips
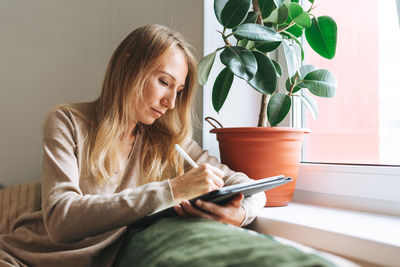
<point>158,113</point>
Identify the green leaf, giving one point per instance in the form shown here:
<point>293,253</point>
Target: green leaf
<point>311,105</point>
<point>289,83</point>
<point>278,15</point>
<point>287,2</point>
<point>218,7</point>
<point>297,14</point>
<point>267,47</point>
<point>265,79</point>
<point>283,14</point>
<point>258,33</point>
<point>240,61</point>
<point>266,7</point>
<point>322,36</point>
<point>291,36</point>
<point>278,107</point>
<point>277,68</point>
<point>251,17</point>
<point>321,83</point>
<point>291,58</point>
<point>205,66</point>
<point>296,30</point>
<point>294,10</point>
<point>242,43</point>
<point>221,88</point>
<point>245,43</point>
<point>250,45</point>
<point>305,69</point>
<point>234,13</point>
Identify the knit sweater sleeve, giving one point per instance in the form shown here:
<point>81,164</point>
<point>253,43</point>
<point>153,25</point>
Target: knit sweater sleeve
<point>69,214</point>
<point>253,204</point>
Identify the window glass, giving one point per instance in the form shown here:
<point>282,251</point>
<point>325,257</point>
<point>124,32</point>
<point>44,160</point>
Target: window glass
<point>361,124</point>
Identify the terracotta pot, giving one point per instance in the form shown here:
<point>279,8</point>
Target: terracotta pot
<point>261,152</point>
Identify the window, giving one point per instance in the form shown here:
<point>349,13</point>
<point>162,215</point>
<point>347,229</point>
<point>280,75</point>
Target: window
<point>361,124</point>
<point>352,157</point>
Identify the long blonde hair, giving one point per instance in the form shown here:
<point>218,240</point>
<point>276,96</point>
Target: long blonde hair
<point>140,54</point>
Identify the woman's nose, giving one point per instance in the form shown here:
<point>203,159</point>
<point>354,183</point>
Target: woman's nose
<point>169,101</point>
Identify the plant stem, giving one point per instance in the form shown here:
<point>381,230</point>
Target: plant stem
<point>295,82</point>
<point>256,8</point>
<point>262,118</point>
<point>226,41</point>
<point>286,27</point>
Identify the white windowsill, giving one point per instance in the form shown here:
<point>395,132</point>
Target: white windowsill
<point>362,236</point>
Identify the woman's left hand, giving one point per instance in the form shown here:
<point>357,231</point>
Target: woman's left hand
<point>231,213</point>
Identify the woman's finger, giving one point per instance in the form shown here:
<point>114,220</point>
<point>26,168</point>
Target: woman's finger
<point>218,182</point>
<point>210,207</point>
<point>217,171</point>
<point>181,212</point>
<point>192,211</point>
<point>237,200</point>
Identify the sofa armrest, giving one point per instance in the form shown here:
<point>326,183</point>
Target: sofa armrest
<point>18,199</point>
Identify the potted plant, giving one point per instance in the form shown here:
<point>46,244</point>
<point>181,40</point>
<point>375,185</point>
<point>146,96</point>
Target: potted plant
<point>250,35</point>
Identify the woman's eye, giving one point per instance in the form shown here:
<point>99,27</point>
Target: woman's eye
<point>163,82</point>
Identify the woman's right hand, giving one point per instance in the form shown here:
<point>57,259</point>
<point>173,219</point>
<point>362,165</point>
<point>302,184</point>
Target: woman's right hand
<point>196,182</point>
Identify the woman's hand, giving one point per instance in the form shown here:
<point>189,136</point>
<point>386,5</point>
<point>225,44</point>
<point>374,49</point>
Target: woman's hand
<point>231,213</point>
<point>196,182</point>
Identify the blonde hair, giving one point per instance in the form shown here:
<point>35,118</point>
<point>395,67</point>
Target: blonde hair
<point>140,54</point>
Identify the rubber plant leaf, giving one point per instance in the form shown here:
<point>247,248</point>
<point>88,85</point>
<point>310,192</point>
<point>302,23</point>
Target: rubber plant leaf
<point>322,36</point>
<point>265,79</point>
<point>311,105</point>
<point>299,16</point>
<point>221,88</point>
<point>291,57</point>
<point>267,46</point>
<point>294,38</point>
<point>205,66</point>
<point>277,68</point>
<point>258,33</point>
<point>243,43</point>
<point>306,69</point>
<point>289,83</point>
<point>234,13</point>
<point>278,15</point>
<point>303,71</point>
<point>240,61</point>
<point>218,7</point>
<point>296,30</point>
<point>321,83</point>
<point>251,18</point>
<point>278,107</point>
<point>266,7</point>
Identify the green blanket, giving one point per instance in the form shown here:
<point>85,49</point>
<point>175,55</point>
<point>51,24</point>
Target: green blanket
<point>194,242</point>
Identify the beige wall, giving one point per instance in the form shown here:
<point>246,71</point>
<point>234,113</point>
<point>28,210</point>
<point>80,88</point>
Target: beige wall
<point>57,51</point>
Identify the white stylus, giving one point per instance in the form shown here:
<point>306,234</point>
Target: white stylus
<point>186,156</point>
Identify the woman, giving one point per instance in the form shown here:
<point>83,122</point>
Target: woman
<point>112,161</point>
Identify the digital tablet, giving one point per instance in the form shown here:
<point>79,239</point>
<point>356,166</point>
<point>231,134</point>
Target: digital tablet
<point>221,196</point>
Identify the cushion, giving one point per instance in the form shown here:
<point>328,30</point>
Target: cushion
<point>16,200</point>
<point>177,241</point>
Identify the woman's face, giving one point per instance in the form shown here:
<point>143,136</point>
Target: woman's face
<point>162,87</point>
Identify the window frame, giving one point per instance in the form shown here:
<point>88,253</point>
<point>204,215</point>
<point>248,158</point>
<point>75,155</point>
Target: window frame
<point>363,187</point>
